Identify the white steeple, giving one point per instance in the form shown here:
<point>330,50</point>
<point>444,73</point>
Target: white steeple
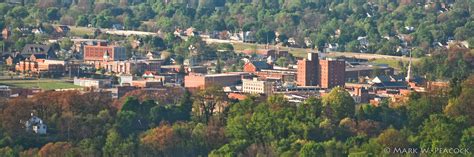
<point>409,74</point>
<point>106,56</point>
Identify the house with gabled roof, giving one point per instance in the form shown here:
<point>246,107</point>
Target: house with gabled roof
<point>30,49</point>
<point>255,66</point>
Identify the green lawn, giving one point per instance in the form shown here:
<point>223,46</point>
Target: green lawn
<point>390,62</point>
<point>43,84</point>
<point>297,52</point>
<point>80,31</point>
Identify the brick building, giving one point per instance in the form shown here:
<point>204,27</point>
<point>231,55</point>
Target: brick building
<point>332,73</point>
<point>255,66</point>
<point>38,66</point>
<point>283,76</point>
<point>97,54</point>
<point>327,73</point>
<point>308,71</point>
<point>194,80</point>
<point>131,67</point>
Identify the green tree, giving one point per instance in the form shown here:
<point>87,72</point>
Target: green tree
<point>128,122</point>
<point>441,132</point>
<point>463,105</point>
<point>312,149</point>
<point>115,145</point>
<point>393,138</point>
<point>467,140</point>
<point>207,102</point>
<point>53,13</point>
<point>7,152</point>
<point>66,44</point>
<point>82,21</point>
<point>339,104</point>
<point>218,66</point>
<point>130,22</point>
<point>282,61</point>
<point>18,12</point>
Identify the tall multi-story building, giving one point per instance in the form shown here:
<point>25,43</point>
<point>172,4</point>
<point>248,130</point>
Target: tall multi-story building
<point>96,54</point>
<point>255,86</point>
<point>323,73</point>
<point>308,70</point>
<point>331,73</point>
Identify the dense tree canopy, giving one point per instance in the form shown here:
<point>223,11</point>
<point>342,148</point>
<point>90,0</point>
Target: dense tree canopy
<point>386,24</point>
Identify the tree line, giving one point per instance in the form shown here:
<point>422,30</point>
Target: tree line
<point>207,123</point>
<point>321,22</point>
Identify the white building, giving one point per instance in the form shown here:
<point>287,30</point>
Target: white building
<point>35,125</point>
<point>255,86</point>
<point>125,80</point>
<point>94,83</point>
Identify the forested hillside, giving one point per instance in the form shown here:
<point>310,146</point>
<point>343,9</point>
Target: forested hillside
<point>386,24</point>
<point>173,121</point>
<point>155,125</point>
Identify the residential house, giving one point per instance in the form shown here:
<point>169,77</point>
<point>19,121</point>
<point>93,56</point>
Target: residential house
<point>255,66</point>
<point>5,91</point>
<point>30,49</point>
<point>6,33</point>
<point>364,43</point>
<point>9,60</point>
<point>36,125</point>
<point>331,47</point>
<point>62,29</point>
<point>37,31</point>
<point>34,57</point>
<point>248,37</point>
<point>191,32</point>
<point>292,42</point>
<point>24,30</point>
<point>118,27</point>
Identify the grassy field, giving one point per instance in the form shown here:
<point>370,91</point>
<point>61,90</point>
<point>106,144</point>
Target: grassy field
<point>80,31</point>
<point>297,52</point>
<point>42,84</point>
<point>390,62</point>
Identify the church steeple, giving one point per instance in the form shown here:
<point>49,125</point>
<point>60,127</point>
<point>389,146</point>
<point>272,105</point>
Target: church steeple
<point>106,56</point>
<point>409,73</point>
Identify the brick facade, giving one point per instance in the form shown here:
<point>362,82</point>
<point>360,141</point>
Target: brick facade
<point>41,66</point>
<point>308,71</point>
<point>324,73</point>
<point>94,53</point>
<point>332,73</point>
<point>203,81</point>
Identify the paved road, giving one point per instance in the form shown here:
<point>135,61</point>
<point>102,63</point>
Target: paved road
<point>370,56</point>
